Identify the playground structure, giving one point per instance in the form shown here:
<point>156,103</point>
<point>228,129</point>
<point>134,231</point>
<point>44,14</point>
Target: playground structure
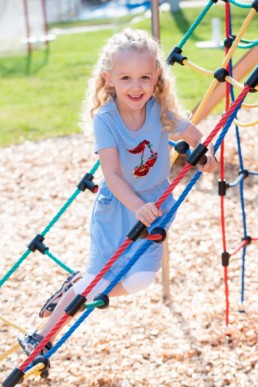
<point>33,364</point>
<point>24,28</point>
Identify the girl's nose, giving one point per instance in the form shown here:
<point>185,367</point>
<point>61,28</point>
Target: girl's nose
<point>136,85</point>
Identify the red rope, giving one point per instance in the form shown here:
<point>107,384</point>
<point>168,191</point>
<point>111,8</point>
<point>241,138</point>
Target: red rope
<point>173,184</point>
<point>66,316</point>
<point>93,283</point>
<point>242,244</point>
<point>154,237</point>
<point>226,295</point>
<point>226,116</point>
<point>126,243</point>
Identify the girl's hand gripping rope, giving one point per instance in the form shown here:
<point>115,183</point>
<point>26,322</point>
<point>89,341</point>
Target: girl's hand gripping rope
<point>208,163</point>
<point>148,213</point>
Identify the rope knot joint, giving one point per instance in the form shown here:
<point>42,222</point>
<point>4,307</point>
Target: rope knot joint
<point>176,57</point>
<point>87,183</point>
<point>221,74</point>
<point>37,244</point>
<point>247,239</point>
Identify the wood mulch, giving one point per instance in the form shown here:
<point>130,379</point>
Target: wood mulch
<point>140,340</point>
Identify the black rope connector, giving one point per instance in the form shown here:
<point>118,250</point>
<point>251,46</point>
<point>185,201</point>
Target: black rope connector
<point>197,154</point>
<point>36,244</point>
<point>252,81</point>
<point>15,377</point>
<point>221,74</point>
<point>136,231</point>
<point>241,308</point>
<point>144,234</point>
<point>222,187</point>
<point>46,362</point>
<point>76,305</point>
<point>229,41</point>
<point>161,231</point>
<point>248,239</point>
<point>244,172</point>
<point>181,147</point>
<point>87,183</point>
<point>225,258</point>
<point>102,297</point>
<point>176,57</point>
<point>255,5</point>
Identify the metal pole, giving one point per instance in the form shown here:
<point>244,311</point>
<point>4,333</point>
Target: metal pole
<point>155,19</point>
<point>165,261</point>
<point>44,14</point>
<point>27,25</point>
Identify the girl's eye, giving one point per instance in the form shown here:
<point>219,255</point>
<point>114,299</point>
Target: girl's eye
<point>125,78</point>
<point>145,77</point>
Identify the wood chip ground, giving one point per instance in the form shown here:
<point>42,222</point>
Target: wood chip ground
<point>140,340</point>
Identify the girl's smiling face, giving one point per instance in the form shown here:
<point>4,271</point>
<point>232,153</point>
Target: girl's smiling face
<point>134,75</point>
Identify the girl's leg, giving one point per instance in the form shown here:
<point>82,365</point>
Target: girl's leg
<point>131,284</point>
<point>137,281</point>
<point>58,313</point>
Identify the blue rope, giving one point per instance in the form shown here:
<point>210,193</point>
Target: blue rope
<point>242,298</point>
<point>146,244</point>
<point>173,143</point>
<point>242,201</point>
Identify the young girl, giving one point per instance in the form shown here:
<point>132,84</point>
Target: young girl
<point>134,111</point>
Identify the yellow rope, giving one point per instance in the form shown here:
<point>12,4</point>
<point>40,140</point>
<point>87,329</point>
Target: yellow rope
<point>233,82</point>
<point>198,68</point>
<point>249,106</point>
<point>35,370</point>
<point>245,124</point>
<point>238,37</point>
<point>10,323</point>
<point>225,62</point>
<point>14,348</point>
<point>200,108</point>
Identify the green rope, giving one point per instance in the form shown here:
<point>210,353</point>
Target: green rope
<point>94,304</point>
<point>195,24</point>
<point>248,43</point>
<point>60,263</point>
<point>241,5</point>
<point>45,231</point>
<point>68,203</point>
<point>15,267</point>
<point>95,167</point>
<point>60,213</point>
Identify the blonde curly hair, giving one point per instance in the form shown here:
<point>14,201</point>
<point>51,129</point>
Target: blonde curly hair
<point>98,93</point>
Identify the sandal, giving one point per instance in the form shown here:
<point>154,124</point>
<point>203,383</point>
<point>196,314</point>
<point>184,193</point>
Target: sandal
<point>52,302</point>
<point>30,342</point>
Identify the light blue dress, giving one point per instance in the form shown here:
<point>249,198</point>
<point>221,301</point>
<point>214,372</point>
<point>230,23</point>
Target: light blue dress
<point>145,163</point>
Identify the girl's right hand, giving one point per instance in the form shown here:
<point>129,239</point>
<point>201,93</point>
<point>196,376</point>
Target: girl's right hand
<point>148,213</point>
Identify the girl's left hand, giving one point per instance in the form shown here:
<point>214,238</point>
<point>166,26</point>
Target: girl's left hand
<point>211,164</point>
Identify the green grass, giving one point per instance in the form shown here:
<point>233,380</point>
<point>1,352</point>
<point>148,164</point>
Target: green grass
<point>46,101</point>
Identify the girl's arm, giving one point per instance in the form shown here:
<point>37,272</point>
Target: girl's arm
<point>193,137</point>
<point>110,165</point>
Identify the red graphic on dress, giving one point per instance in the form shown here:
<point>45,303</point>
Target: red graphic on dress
<point>144,167</point>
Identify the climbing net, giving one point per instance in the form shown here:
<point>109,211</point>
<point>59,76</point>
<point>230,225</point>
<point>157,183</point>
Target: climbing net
<point>37,364</point>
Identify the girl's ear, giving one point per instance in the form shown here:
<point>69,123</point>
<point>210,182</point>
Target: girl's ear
<point>158,72</point>
<point>107,76</point>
